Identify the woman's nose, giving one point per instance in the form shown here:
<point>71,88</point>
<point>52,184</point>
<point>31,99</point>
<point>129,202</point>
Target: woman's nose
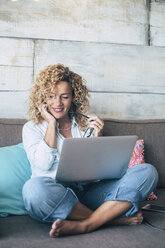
<point>57,101</point>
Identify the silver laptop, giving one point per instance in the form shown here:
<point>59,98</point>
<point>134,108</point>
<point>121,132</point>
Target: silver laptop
<point>90,159</point>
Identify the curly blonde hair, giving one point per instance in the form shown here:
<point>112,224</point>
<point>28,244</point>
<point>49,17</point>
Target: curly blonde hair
<point>46,81</point>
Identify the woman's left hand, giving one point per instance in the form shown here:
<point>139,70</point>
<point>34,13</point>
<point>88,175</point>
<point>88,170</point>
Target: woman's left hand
<point>96,123</point>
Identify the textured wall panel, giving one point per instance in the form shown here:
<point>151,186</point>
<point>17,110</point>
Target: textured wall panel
<point>107,67</point>
<point>15,78</point>
<point>16,64</point>
<point>16,52</point>
<point>128,106</point>
<point>83,20</point>
<point>157,23</point>
<point>121,105</point>
<point>13,104</point>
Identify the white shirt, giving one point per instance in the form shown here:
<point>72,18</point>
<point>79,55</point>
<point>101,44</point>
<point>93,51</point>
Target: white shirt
<point>43,159</point>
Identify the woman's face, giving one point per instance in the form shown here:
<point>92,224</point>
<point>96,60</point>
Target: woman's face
<point>59,100</point>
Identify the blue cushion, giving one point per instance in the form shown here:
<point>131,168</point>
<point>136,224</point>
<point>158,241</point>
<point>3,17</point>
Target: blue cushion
<point>14,172</point>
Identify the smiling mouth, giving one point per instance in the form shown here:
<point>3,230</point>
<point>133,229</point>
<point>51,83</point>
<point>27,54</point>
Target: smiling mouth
<point>58,110</point>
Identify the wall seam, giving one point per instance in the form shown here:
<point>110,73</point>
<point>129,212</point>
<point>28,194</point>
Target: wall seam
<point>148,34</point>
<point>126,92</point>
<point>33,60</point>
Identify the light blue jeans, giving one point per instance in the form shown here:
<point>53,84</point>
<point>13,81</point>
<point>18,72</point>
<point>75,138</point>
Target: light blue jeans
<point>46,200</point>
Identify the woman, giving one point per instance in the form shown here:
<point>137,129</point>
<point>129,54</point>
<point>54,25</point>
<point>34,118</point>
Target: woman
<point>57,97</point>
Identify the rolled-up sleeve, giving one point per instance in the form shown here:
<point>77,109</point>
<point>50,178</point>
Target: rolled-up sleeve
<point>40,155</point>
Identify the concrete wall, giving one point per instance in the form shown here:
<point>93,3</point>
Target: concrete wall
<point>117,46</point>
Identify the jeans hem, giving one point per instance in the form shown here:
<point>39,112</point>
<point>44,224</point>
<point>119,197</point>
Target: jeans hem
<point>64,207</point>
<point>128,195</point>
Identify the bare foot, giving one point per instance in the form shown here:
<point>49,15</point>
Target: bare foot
<point>131,220</point>
<point>65,227</point>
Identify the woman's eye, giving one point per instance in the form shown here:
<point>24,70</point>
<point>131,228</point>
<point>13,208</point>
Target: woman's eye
<point>51,96</point>
<point>64,97</point>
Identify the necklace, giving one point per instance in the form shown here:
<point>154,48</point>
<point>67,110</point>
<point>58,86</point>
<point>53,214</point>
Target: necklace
<point>65,129</point>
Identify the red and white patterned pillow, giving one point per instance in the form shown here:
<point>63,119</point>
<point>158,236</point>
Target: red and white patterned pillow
<point>138,158</point>
<point>138,154</point>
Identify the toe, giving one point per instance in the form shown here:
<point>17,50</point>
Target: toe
<point>53,233</point>
<point>139,214</point>
<point>56,224</point>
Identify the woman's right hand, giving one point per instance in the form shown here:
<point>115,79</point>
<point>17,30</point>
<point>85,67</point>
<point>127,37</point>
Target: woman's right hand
<point>46,115</point>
